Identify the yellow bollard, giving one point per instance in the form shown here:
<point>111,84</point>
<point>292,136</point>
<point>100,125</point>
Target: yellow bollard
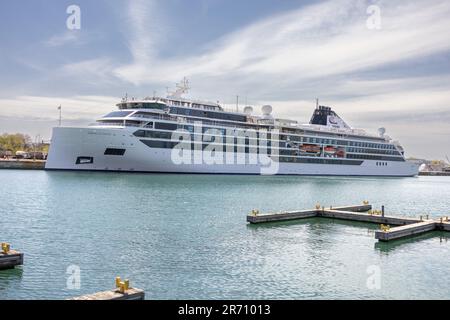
<point>118,281</point>
<point>385,228</point>
<point>122,286</point>
<point>255,212</point>
<point>365,202</point>
<point>6,248</point>
<point>318,206</point>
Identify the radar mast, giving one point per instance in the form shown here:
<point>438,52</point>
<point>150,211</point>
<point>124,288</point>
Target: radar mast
<point>181,88</point>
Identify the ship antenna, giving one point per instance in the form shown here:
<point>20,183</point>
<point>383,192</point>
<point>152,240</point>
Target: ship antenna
<point>317,103</point>
<point>181,88</point>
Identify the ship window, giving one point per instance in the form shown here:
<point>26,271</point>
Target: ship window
<point>158,106</point>
<point>118,114</point>
<point>85,160</point>
<point>165,126</point>
<point>114,152</point>
<point>159,144</point>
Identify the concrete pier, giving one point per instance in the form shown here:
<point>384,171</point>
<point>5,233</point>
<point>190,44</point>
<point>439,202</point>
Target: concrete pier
<point>365,217</point>
<point>404,226</point>
<point>405,231</point>
<point>285,216</point>
<point>22,164</point>
<point>130,294</point>
<point>123,291</point>
<point>255,217</point>
<point>10,258</point>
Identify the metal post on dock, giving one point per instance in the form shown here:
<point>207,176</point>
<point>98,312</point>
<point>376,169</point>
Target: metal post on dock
<point>382,211</point>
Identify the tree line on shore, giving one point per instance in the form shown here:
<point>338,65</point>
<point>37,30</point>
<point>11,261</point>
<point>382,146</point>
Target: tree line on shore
<point>21,142</point>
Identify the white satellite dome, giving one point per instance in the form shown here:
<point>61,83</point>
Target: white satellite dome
<point>267,110</point>
<point>248,110</point>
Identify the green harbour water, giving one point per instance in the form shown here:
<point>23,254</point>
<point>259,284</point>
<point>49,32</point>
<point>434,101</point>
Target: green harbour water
<point>186,236</point>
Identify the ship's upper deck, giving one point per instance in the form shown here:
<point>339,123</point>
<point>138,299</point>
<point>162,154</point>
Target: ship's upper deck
<point>174,108</point>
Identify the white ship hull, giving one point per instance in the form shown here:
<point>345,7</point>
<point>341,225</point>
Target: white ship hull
<point>69,144</point>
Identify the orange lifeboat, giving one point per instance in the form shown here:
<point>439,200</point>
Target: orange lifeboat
<point>310,148</point>
<point>330,150</point>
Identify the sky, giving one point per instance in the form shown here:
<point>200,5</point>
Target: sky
<point>377,63</point>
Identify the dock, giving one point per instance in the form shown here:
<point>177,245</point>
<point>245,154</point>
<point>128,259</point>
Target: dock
<point>9,259</point>
<point>435,173</point>
<point>403,226</point>
<point>405,231</point>
<point>123,291</point>
<point>130,294</point>
<point>22,164</point>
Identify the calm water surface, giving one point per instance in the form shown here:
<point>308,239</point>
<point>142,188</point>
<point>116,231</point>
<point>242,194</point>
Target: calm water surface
<point>185,237</point>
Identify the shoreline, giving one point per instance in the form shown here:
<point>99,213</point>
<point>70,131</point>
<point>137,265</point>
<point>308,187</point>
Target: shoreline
<point>22,164</point>
<point>29,164</point>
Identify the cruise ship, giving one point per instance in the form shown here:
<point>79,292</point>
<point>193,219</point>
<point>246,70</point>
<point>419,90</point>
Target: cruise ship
<point>180,135</point>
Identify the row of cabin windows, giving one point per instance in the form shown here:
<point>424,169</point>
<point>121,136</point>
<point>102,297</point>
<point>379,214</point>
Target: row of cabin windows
<point>193,105</point>
<point>312,140</point>
<point>376,151</point>
<point>382,164</point>
<point>143,105</point>
<point>321,161</point>
<point>173,127</point>
<point>118,114</point>
<point>291,138</point>
<point>253,149</point>
<point>242,149</point>
<point>323,134</point>
<point>208,114</point>
<point>338,142</point>
<point>370,157</point>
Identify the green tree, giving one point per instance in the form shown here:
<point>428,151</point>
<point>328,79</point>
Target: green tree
<point>15,142</point>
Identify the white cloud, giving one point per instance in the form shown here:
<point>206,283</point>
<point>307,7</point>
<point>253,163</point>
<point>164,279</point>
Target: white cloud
<point>41,107</point>
<point>72,37</point>
<point>322,40</point>
<point>92,71</point>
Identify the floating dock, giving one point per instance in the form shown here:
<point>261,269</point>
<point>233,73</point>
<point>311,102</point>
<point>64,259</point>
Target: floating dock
<point>130,294</point>
<point>9,258</point>
<point>123,291</point>
<point>404,226</point>
<point>405,231</point>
